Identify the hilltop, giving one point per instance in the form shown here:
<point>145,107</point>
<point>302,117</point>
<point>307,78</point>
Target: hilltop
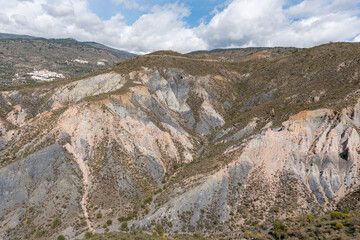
<point>243,54</point>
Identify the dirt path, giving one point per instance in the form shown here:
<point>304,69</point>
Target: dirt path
<point>86,183</point>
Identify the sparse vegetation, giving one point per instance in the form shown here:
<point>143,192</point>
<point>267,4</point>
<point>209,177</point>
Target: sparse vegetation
<point>321,227</point>
<point>336,215</point>
<point>339,225</point>
<point>60,237</point>
<point>88,235</point>
<point>56,223</point>
<point>279,227</point>
<point>124,226</point>
<point>136,235</point>
<point>288,82</point>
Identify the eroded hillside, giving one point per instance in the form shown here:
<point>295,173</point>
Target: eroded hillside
<point>181,144</point>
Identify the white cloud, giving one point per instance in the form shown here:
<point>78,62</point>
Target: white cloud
<point>310,8</point>
<point>63,10</point>
<point>162,28</point>
<point>267,23</point>
<point>241,23</point>
<point>130,4</point>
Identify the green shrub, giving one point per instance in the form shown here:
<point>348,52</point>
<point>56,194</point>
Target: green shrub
<point>336,215</point>
<point>88,234</point>
<point>132,215</point>
<point>279,227</point>
<point>99,215</point>
<point>249,235</point>
<point>40,232</point>
<point>310,217</point>
<point>159,229</point>
<point>148,200</point>
<point>60,237</point>
<point>339,225</point>
<point>55,223</point>
<point>124,226</point>
<point>159,190</point>
<point>109,222</point>
<point>347,215</point>
<point>232,214</point>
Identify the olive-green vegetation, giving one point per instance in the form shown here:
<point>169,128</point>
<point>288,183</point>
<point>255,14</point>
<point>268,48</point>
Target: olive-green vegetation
<point>135,235</point>
<point>333,225</point>
<point>60,237</point>
<point>55,223</point>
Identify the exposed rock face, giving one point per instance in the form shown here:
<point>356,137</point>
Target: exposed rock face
<point>17,116</point>
<point>36,187</point>
<point>112,145</point>
<point>92,86</point>
<point>115,145</point>
<point>317,152</point>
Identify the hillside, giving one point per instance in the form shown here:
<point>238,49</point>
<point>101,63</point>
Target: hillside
<point>187,147</point>
<point>14,36</point>
<point>121,55</point>
<point>21,57</point>
<point>243,54</point>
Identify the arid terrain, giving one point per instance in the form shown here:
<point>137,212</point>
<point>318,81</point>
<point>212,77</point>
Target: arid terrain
<point>226,145</point>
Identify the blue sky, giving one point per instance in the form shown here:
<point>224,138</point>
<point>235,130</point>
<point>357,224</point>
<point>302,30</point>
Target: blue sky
<point>143,26</point>
<point>201,10</point>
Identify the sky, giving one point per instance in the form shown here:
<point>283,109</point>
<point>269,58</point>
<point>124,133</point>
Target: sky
<point>143,26</point>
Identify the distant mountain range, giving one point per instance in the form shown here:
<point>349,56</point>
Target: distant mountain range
<point>7,35</point>
<point>22,55</point>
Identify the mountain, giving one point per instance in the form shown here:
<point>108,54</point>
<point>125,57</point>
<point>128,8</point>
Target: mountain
<point>123,55</point>
<point>15,36</point>
<point>187,147</point>
<point>29,60</point>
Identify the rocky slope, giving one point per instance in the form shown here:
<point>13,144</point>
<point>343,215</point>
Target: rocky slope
<point>181,144</point>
